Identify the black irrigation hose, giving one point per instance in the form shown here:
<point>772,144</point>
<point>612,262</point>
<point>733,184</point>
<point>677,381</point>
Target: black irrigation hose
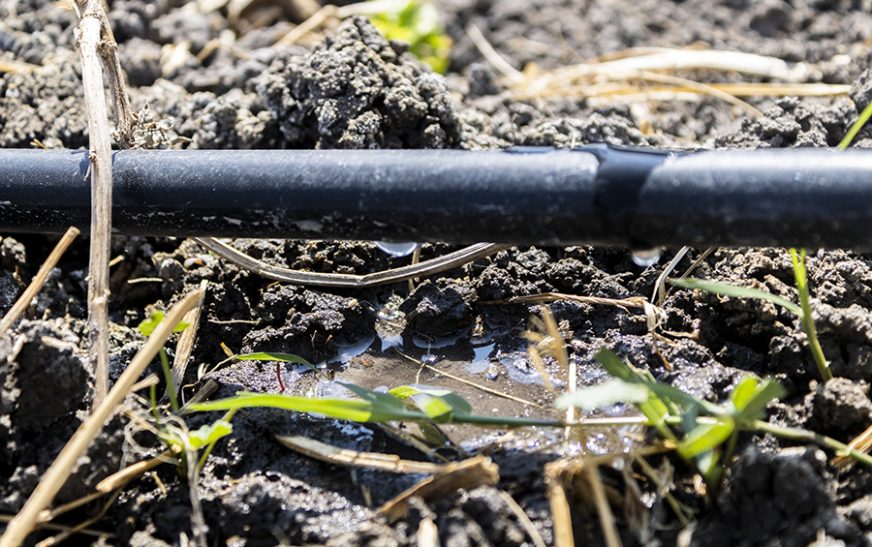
<point>593,195</point>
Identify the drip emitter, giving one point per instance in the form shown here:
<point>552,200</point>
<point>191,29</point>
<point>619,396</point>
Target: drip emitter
<point>597,194</point>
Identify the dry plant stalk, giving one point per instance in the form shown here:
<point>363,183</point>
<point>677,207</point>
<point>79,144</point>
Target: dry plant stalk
<point>351,281</point>
<point>371,460</point>
<point>57,474</point>
<point>97,48</point>
<point>559,503</point>
<point>38,281</point>
<point>862,442</point>
<point>185,346</point>
<point>468,474</point>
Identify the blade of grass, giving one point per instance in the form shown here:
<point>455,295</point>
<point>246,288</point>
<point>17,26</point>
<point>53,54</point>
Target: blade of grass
<point>725,289</point>
<point>801,275</point>
<point>856,127</point>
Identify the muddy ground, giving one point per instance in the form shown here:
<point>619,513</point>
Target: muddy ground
<point>203,79</point>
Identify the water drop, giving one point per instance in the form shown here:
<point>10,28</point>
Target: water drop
<point>646,257</point>
<point>398,249</point>
<point>429,359</point>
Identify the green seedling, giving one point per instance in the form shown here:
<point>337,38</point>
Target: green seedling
<point>404,403</point>
<point>417,23</point>
<point>171,430</point>
<point>705,434</point>
<point>146,327</point>
<point>803,311</point>
<point>855,128</point>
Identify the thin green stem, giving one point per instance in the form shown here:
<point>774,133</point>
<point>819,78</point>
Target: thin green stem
<point>856,127</point>
<point>807,322</point>
<point>152,395</point>
<point>804,435</point>
<point>227,417</point>
<point>168,377</point>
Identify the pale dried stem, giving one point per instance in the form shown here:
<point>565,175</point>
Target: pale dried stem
<point>372,460</point>
<point>121,478</point>
<point>56,475</point>
<point>62,528</point>
<point>561,516</point>
<point>603,509</point>
<point>185,346</point>
<point>37,282</point>
<point>492,56</point>
<point>100,143</point>
<point>98,50</point>
<point>467,474</point>
<point>351,281</point>
<point>523,518</point>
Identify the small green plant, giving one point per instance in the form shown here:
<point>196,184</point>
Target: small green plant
<point>704,434</point>
<point>146,327</point>
<point>855,128</point>
<point>417,23</point>
<point>171,430</point>
<point>404,403</point>
<point>803,311</point>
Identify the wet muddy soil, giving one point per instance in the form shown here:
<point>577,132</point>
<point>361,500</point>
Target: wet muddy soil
<point>204,75</point>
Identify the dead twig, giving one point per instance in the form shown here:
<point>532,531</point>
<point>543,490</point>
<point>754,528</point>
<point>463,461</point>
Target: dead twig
<point>351,281</point>
<point>371,460</point>
<point>89,35</point>
<point>185,346</point>
<point>468,474</point>
<point>38,281</point>
<point>57,474</point>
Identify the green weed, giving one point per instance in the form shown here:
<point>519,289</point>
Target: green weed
<point>417,23</point>
<point>803,311</point>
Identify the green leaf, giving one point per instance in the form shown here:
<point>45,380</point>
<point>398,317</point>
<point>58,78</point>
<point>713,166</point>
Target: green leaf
<point>270,356</point>
<point>209,433</point>
<point>725,289</point>
<point>343,409</point>
<point>753,407</point>
<point>147,326</point>
<point>371,407</point>
<point>417,23</point>
<point>435,402</point>
<point>744,392</point>
<point>668,395</point>
<point>604,394</point>
<point>654,408</point>
<point>706,437</point>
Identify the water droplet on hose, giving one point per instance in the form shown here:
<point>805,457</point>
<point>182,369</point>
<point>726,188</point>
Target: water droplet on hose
<point>397,249</point>
<point>646,257</point>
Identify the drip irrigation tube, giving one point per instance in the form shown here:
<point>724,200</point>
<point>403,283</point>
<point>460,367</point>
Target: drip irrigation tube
<point>592,195</point>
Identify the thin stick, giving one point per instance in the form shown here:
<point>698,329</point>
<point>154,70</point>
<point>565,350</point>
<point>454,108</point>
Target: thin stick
<point>491,55</point>
<point>467,474</point>
<point>100,143</point>
<point>57,474</point>
<point>121,478</point>
<point>523,518</point>
<point>185,346</point>
<point>373,460</point>
<point>62,528</point>
<point>351,281</point>
<point>604,511</point>
<point>38,281</point>
<point>486,389</point>
<point>307,26</point>
<point>559,503</point>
